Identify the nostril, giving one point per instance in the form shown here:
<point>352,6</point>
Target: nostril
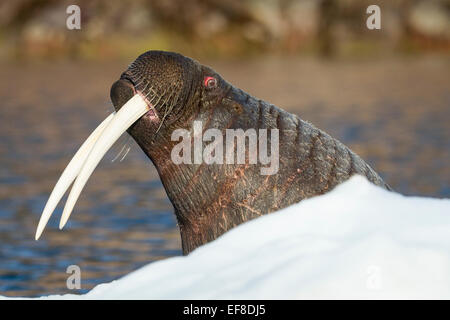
<point>121,91</point>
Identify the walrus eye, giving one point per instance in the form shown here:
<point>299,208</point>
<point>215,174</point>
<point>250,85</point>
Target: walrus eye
<point>210,82</point>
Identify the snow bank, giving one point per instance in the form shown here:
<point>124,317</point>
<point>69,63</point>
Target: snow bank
<point>358,241</point>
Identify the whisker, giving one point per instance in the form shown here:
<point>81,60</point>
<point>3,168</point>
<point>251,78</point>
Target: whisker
<point>160,97</point>
<point>145,86</point>
<point>126,147</point>
<point>118,154</point>
<point>166,112</point>
<point>126,152</point>
<point>151,90</point>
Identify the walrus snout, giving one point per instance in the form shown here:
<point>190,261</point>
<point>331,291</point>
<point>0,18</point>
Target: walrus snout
<point>121,91</point>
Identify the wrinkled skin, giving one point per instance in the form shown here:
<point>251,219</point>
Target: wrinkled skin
<point>211,199</point>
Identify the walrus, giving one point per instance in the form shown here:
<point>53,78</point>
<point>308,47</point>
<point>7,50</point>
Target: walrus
<point>161,92</point>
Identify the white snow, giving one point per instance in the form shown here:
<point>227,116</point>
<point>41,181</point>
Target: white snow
<point>358,241</point>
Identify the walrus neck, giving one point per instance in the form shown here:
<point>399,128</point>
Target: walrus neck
<point>200,208</point>
<point>189,189</point>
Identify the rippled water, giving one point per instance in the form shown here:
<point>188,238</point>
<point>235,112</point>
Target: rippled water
<point>394,113</point>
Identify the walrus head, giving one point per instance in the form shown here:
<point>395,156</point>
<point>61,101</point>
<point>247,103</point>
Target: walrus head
<point>162,93</point>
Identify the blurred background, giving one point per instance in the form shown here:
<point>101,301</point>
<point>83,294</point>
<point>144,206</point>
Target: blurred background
<point>384,93</point>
